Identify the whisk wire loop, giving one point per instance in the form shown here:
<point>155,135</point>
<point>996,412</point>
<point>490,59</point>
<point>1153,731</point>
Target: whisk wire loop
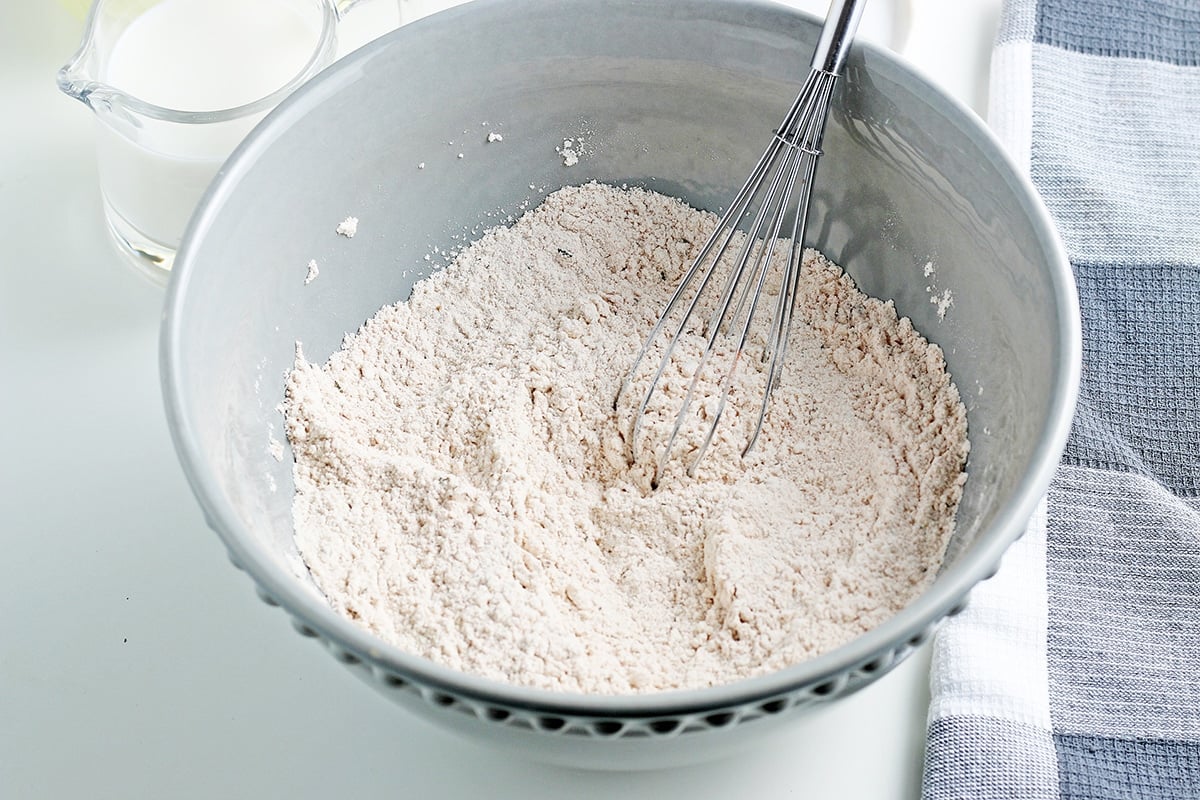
<point>721,319</point>
<point>779,188</point>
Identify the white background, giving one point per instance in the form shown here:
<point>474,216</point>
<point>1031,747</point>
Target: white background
<point>135,662</point>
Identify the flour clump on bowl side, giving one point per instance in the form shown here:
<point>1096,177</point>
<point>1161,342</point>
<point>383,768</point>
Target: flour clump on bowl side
<point>464,488</point>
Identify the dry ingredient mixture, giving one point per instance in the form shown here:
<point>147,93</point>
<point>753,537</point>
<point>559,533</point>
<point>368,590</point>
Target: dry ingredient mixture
<point>464,487</point>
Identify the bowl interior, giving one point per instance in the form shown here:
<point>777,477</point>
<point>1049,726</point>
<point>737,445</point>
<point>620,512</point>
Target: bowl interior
<point>679,96</point>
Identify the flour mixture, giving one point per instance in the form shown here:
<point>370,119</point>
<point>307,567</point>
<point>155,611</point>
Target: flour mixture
<point>464,491</point>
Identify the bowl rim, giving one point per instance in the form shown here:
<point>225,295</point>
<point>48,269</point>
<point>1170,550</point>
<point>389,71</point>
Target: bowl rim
<point>910,625</point>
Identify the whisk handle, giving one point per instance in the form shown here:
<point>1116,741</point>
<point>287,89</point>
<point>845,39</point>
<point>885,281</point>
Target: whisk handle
<point>840,24</point>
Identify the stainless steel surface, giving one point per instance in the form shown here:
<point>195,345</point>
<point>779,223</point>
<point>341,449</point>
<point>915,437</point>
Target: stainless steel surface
<point>833,45</point>
<point>777,192</point>
<point>664,95</point>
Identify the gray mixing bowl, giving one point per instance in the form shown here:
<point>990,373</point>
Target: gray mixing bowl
<point>674,95</point>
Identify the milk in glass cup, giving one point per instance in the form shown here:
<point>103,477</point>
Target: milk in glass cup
<point>176,85</point>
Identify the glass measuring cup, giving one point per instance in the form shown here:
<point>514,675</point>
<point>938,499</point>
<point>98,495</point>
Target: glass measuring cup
<point>175,86</point>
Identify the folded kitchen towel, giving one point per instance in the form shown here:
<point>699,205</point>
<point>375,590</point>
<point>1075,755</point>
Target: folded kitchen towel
<point>1075,672</point>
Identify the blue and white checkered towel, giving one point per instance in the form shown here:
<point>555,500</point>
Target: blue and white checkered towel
<point>1075,672</point>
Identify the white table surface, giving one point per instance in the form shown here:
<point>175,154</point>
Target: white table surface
<point>135,661</point>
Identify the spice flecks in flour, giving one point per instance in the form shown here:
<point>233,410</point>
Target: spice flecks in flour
<point>463,491</point>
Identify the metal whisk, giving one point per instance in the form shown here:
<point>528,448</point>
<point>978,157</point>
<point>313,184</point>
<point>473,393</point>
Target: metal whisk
<point>778,190</point>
